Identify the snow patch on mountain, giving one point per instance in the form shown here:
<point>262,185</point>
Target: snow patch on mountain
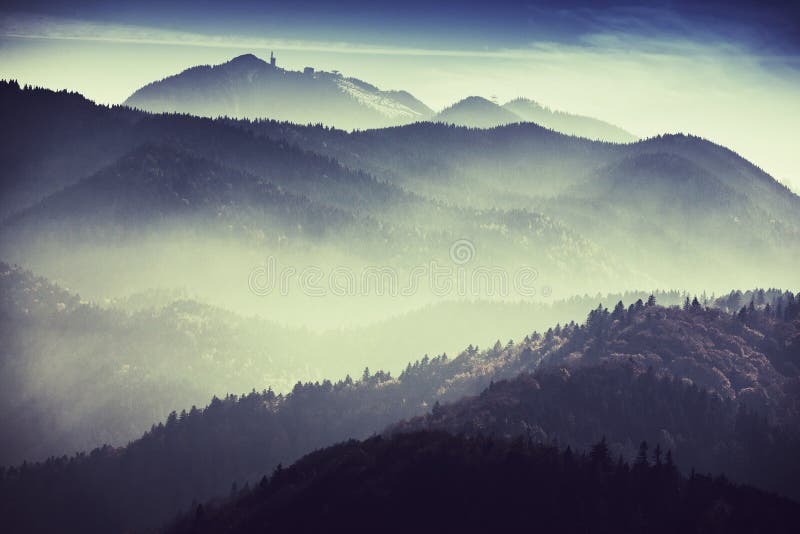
<point>381,103</point>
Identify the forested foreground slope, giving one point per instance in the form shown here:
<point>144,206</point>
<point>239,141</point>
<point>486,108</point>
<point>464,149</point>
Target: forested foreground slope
<point>601,377</point>
<point>433,482</point>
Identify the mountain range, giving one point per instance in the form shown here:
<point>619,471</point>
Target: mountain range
<point>522,194</point>
<point>250,88</point>
<point>478,112</point>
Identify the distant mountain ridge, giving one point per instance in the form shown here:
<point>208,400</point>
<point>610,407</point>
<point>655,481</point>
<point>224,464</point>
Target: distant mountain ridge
<point>249,87</point>
<point>513,190</point>
<point>478,112</point>
<point>568,123</point>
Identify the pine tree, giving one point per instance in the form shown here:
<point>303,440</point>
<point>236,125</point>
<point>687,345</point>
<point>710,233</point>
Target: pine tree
<point>600,455</point>
<point>657,455</point>
<point>641,456</point>
<point>619,311</point>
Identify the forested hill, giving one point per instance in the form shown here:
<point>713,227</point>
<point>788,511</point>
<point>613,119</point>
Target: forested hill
<point>130,362</point>
<point>436,482</point>
<point>730,359</point>
<point>173,182</point>
<point>521,193</point>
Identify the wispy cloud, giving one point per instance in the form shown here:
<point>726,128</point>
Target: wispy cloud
<point>602,41</point>
<point>40,27</point>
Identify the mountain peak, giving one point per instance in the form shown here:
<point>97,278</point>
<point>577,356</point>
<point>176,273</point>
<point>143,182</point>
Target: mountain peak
<point>244,64</point>
<point>250,87</point>
<point>476,112</point>
<point>522,102</point>
<point>474,100</point>
<point>246,59</point>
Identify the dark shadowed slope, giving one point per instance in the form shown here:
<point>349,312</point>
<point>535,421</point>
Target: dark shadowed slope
<point>434,482</point>
<point>57,139</point>
<point>62,138</point>
<point>155,185</point>
<point>708,385</point>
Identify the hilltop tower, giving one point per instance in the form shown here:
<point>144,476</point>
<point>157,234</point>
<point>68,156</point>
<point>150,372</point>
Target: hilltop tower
<point>272,58</point>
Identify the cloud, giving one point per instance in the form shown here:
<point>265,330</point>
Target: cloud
<point>615,33</point>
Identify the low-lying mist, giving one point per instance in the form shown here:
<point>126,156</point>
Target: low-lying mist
<point>79,373</point>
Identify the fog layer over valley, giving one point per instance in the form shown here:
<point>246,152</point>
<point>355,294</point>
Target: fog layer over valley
<point>520,195</point>
<point>79,375</point>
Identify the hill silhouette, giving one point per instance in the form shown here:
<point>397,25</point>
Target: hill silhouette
<point>440,482</point>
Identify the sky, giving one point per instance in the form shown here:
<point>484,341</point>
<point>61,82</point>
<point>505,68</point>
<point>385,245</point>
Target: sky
<point>727,71</point>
